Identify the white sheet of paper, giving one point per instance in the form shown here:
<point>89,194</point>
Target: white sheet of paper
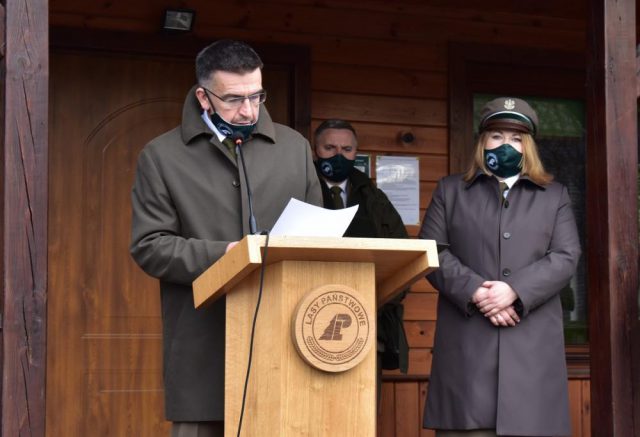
<point>301,219</point>
<point>399,178</point>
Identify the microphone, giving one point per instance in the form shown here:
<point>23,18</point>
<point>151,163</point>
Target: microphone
<point>238,139</point>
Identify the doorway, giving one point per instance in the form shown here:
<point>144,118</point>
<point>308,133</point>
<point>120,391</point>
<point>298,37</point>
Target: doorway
<point>108,98</point>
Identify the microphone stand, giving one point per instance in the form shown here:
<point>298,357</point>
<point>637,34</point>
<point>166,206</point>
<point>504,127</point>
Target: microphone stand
<point>238,140</point>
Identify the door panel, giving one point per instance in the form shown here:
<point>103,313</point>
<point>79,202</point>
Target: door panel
<point>104,342</point>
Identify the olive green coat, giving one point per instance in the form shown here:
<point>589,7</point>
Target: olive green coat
<point>189,201</point>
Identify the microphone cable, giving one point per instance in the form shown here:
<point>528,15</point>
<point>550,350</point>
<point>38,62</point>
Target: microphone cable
<point>238,140</point>
<point>253,331</point>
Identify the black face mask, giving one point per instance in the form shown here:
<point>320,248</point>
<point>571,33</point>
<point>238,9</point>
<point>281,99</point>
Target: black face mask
<point>337,168</point>
<point>503,161</point>
<point>229,129</point>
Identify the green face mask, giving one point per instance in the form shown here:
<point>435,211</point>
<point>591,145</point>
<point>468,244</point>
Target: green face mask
<point>503,161</point>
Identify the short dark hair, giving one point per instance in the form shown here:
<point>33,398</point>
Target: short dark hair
<point>226,55</point>
<point>333,123</point>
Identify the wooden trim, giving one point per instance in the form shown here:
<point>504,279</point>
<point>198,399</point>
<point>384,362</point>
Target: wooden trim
<point>578,361</point>
<point>2,32</point>
<point>638,71</point>
<point>460,109</point>
<point>3,80</point>
<point>297,59</point>
<point>24,216</point>
<point>577,366</point>
<point>612,218</point>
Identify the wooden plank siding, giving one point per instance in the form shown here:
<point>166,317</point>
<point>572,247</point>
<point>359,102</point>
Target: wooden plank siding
<point>402,405</point>
<point>24,79</point>
<point>384,67</point>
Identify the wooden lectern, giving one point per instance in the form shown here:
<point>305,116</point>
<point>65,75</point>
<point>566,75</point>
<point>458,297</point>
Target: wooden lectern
<point>305,279</point>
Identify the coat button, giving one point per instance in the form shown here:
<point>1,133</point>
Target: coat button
<point>235,183</point>
<point>506,235</point>
<point>506,272</point>
<point>506,204</point>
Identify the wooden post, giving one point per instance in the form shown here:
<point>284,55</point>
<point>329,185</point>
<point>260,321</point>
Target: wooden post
<point>24,132</point>
<point>638,71</point>
<point>612,220</point>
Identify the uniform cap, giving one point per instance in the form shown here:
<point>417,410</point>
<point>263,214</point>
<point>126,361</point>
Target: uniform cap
<point>509,113</point>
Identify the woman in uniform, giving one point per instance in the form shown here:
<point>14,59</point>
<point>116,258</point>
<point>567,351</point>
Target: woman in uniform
<point>498,357</point>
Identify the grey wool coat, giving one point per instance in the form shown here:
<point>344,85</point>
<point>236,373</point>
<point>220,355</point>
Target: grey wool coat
<point>510,379</point>
<point>189,201</point>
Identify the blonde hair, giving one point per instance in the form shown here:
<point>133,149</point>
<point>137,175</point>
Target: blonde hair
<point>531,163</point>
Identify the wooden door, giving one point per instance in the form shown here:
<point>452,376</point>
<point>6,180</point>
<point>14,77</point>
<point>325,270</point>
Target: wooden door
<point>104,340</point>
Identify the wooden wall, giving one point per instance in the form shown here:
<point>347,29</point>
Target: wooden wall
<point>383,66</point>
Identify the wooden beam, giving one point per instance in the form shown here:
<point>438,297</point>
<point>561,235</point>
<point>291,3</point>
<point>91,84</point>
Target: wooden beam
<point>612,219</point>
<point>638,71</point>
<point>2,31</point>
<point>23,144</point>
<point>3,23</point>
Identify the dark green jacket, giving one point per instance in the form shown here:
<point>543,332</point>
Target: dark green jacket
<point>377,218</point>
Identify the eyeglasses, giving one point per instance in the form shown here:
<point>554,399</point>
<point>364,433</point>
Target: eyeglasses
<point>237,101</point>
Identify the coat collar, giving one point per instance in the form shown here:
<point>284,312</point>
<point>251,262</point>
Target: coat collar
<point>358,179</point>
<point>193,126</point>
<point>481,175</point>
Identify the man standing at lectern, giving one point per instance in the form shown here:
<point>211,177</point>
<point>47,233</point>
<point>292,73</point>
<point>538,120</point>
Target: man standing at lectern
<point>190,204</point>
<point>335,146</point>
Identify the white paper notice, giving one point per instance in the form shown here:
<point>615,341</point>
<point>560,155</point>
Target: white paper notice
<point>301,219</point>
<point>399,178</point>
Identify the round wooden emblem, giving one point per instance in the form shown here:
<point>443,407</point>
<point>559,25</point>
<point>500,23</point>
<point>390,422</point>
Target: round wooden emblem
<point>332,328</point>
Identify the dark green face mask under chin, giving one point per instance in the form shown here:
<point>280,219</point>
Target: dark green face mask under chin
<point>503,161</point>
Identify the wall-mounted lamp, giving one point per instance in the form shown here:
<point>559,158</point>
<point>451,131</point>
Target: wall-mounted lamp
<point>179,20</point>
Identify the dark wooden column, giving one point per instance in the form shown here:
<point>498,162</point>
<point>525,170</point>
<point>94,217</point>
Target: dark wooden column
<point>638,71</point>
<point>24,131</point>
<point>612,220</point>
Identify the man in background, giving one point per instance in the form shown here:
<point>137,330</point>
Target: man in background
<point>343,185</point>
